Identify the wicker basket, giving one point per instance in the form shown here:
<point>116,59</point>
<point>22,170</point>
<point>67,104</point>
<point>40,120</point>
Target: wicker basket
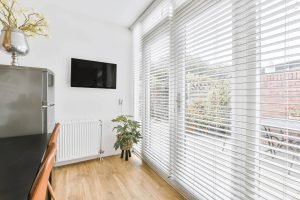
<point>128,146</point>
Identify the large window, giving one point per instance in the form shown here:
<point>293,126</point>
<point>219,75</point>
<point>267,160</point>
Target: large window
<point>220,87</point>
<point>203,157</point>
<point>279,96</point>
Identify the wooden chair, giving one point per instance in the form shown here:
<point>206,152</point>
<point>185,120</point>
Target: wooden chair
<point>41,183</point>
<point>54,135</point>
<point>52,140</point>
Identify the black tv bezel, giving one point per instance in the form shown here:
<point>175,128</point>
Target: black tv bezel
<point>96,62</point>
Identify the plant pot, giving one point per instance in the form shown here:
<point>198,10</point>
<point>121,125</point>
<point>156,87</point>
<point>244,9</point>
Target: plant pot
<point>126,150</point>
<point>14,41</point>
<point>126,147</point>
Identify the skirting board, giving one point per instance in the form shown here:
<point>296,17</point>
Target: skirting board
<point>68,162</point>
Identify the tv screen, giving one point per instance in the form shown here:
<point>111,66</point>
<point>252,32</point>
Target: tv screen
<point>92,74</point>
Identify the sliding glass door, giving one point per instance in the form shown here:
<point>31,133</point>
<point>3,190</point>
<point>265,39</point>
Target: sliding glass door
<point>203,139</point>
<point>156,137</point>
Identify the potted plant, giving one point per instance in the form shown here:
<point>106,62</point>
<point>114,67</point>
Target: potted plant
<point>19,23</point>
<point>128,133</point>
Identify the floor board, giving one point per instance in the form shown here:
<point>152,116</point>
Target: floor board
<point>111,179</point>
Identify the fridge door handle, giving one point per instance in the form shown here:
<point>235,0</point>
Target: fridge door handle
<point>48,105</point>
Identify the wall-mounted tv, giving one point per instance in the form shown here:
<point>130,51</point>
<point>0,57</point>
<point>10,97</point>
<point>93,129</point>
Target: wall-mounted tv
<point>93,74</point>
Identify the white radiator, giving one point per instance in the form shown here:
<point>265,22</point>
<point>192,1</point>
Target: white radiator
<point>79,141</point>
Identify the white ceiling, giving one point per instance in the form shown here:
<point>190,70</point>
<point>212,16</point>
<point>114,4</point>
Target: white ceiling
<point>120,12</point>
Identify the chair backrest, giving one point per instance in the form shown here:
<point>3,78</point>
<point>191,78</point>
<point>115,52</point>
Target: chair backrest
<point>54,135</point>
<point>39,188</point>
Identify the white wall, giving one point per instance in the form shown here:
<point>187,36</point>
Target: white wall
<point>79,36</point>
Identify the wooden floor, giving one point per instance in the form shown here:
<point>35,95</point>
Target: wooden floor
<point>111,179</point>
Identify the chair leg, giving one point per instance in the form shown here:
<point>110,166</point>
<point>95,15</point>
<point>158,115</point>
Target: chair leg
<point>122,154</point>
<point>51,191</point>
<point>129,153</point>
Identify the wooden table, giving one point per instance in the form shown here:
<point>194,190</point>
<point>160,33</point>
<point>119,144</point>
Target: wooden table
<point>20,159</point>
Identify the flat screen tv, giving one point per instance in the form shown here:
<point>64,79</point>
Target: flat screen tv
<point>93,74</point>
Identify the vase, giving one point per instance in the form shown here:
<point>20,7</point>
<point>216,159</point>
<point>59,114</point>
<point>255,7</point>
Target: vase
<point>14,41</point>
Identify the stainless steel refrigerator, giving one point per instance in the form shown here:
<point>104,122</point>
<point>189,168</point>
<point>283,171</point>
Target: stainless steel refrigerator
<point>26,101</point>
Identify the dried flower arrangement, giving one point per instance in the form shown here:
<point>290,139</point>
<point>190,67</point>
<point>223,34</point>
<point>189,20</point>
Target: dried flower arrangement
<point>30,22</point>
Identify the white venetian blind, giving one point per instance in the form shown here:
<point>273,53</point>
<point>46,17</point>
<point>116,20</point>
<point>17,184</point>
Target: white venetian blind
<point>278,82</point>
<point>155,72</point>
<point>138,79</point>
<point>156,136</point>
<point>239,87</point>
<point>222,98</point>
<point>203,36</point>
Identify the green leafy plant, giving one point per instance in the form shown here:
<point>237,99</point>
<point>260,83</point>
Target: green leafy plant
<point>128,132</point>
<point>208,109</point>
